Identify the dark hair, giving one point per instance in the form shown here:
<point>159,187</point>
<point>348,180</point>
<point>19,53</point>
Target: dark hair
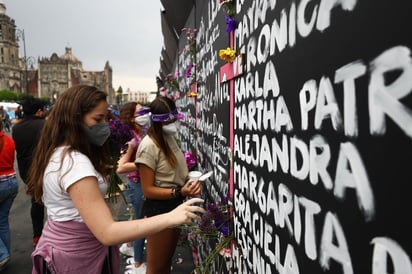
<point>162,105</point>
<point>64,126</point>
<point>127,112</point>
<point>32,105</point>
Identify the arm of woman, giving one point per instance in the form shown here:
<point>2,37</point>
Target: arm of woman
<point>89,202</point>
<point>147,178</point>
<point>124,165</point>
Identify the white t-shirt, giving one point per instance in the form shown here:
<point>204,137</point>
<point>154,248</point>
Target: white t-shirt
<point>59,177</point>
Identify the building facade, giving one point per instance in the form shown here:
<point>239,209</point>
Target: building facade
<point>136,96</point>
<point>57,73</point>
<point>11,66</point>
<point>46,77</point>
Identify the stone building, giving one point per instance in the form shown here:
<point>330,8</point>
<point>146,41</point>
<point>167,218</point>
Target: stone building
<point>11,66</point>
<point>57,73</point>
<point>52,76</point>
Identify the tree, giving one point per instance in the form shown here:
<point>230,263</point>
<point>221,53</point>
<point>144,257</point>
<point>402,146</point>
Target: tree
<point>8,96</point>
<point>119,94</point>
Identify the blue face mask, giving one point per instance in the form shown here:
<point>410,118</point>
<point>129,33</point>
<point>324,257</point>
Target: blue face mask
<point>98,133</point>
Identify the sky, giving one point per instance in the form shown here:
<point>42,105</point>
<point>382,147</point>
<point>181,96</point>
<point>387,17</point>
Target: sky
<point>127,33</point>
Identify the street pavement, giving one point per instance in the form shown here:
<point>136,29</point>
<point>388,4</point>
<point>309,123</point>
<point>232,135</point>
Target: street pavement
<point>21,237</point>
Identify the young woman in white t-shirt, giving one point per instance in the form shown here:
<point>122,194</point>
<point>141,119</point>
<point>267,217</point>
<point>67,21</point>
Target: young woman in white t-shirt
<point>68,176</point>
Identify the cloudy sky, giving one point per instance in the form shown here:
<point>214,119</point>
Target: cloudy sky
<point>126,33</point>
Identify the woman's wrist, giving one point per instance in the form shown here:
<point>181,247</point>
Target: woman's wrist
<point>178,192</point>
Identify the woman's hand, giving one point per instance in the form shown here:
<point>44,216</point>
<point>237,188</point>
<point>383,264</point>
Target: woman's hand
<point>192,188</point>
<point>123,164</point>
<point>186,213</point>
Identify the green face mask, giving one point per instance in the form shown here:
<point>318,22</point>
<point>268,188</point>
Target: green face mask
<point>98,133</point>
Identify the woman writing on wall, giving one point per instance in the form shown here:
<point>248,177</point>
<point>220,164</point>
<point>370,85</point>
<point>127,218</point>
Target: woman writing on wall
<point>163,173</point>
<point>68,176</point>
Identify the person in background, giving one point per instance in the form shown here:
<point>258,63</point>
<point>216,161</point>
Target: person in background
<point>2,114</point>
<point>163,175</point>
<point>7,122</point>
<point>129,115</point>
<point>69,175</point>
<point>26,135</point>
<point>18,114</point>
<point>8,192</point>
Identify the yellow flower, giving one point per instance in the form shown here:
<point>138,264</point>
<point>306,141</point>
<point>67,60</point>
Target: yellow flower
<point>227,55</point>
<point>192,94</point>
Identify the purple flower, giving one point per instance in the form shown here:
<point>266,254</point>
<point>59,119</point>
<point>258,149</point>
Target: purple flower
<point>216,219</point>
<point>190,160</point>
<point>206,223</point>
<point>180,116</point>
<point>231,23</point>
<point>120,134</point>
<point>224,230</point>
<point>188,71</point>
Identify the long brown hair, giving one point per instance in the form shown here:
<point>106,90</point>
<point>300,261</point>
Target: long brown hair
<point>127,111</point>
<point>162,105</point>
<point>64,126</point>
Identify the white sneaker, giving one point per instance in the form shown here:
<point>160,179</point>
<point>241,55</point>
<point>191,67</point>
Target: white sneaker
<point>131,269</point>
<point>130,260</point>
<point>126,250</point>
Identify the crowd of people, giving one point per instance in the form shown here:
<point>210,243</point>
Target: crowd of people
<point>65,166</point>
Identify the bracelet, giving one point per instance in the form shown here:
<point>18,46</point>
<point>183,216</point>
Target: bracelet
<point>178,192</point>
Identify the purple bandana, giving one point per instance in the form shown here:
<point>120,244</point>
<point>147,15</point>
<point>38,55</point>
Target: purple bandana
<point>143,111</point>
<point>165,117</point>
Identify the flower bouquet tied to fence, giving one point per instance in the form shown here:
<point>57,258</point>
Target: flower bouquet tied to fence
<point>215,228</point>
